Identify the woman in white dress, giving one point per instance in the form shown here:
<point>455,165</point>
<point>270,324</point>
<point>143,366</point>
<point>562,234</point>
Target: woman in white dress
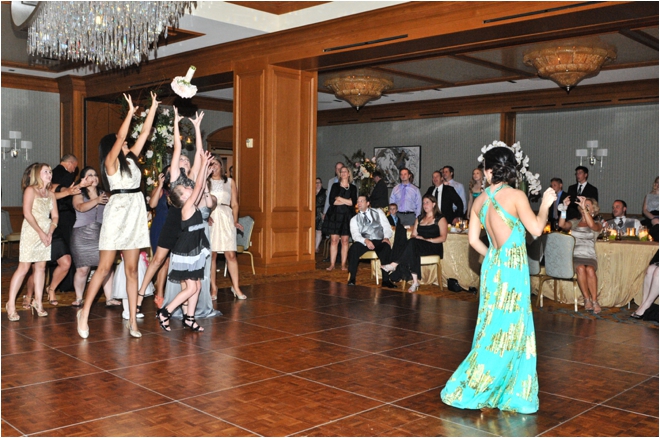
<point>223,229</point>
<point>125,217</point>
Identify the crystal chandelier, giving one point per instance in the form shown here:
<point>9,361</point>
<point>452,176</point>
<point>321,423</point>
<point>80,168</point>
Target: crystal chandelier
<point>109,34</point>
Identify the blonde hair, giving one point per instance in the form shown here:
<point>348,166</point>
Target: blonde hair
<point>473,182</point>
<point>595,208</point>
<point>32,177</point>
<point>350,174</point>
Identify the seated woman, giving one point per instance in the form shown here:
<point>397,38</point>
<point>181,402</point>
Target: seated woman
<point>650,206</point>
<point>429,231</point>
<point>651,278</point>
<point>585,230</point>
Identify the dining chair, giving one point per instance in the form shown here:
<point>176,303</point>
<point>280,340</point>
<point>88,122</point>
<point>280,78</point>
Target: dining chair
<point>558,255</point>
<point>535,248</point>
<point>425,261</point>
<point>243,240</point>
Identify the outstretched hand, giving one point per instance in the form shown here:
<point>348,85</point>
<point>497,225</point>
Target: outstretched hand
<point>177,117</point>
<point>197,121</point>
<point>549,196</point>
<point>154,102</point>
<point>131,108</point>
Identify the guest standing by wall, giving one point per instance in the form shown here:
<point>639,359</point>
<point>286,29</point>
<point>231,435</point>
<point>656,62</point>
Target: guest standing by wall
<point>320,203</point>
<point>337,222</point>
<point>40,220</point>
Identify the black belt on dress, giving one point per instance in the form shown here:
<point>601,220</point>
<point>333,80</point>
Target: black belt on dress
<point>226,205</point>
<point>406,212</point>
<point>125,191</point>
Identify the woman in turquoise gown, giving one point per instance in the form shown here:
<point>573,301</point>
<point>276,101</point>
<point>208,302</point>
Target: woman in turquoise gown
<point>500,370</point>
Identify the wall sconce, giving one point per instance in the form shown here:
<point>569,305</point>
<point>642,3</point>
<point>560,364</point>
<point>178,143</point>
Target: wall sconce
<point>589,153</point>
<point>6,144</point>
<point>14,135</point>
<point>26,145</point>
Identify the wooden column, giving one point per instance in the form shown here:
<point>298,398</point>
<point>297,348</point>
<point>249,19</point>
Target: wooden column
<point>275,112</point>
<point>72,116</point>
<point>508,128</point>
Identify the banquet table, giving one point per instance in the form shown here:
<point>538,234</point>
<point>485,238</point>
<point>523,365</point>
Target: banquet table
<point>621,269</point>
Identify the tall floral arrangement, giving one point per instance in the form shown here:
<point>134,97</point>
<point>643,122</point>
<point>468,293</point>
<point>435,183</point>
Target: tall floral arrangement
<point>363,169</point>
<point>527,181</point>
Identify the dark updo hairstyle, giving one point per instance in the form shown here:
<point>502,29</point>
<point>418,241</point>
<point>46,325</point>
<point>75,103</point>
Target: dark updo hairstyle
<point>83,190</point>
<point>105,146</point>
<point>503,163</point>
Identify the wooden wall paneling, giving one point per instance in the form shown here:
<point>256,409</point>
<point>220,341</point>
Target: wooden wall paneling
<point>72,98</point>
<point>508,128</point>
<point>34,83</point>
<point>102,118</point>
<point>307,200</point>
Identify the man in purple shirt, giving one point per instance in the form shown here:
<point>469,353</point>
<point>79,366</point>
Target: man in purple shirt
<point>408,198</point>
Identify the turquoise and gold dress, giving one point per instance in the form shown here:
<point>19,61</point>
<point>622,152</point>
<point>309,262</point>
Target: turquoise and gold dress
<point>500,370</point>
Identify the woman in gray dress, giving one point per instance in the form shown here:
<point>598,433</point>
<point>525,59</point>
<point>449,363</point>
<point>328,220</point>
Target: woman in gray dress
<point>89,206</point>
<point>585,231</point>
<point>204,307</point>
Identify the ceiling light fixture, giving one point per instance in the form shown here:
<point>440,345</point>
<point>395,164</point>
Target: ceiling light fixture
<point>107,33</point>
<point>358,89</point>
<point>567,65</point>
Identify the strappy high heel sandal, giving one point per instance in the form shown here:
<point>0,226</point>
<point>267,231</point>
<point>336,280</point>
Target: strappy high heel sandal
<point>597,308</point>
<point>165,319</point>
<point>193,324</point>
<point>588,304</point>
<point>12,316</point>
<point>52,299</point>
<point>413,288</point>
<point>27,299</point>
<point>40,312</point>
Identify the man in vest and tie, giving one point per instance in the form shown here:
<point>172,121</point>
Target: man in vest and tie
<point>370,231</point>
<point>582,188</point>
<point>619,220</point>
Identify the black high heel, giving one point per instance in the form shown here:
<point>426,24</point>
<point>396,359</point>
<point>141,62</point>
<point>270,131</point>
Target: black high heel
<point>193,325</point>
<point>138,308</point>
<point>167,315</point>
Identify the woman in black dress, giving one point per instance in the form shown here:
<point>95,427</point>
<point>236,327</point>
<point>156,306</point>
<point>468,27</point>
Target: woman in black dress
<point>320,203</point>
<point>429,231</point>
<point>343,197</point>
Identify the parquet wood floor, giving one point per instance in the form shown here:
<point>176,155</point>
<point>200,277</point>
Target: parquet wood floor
<point>313,358</point>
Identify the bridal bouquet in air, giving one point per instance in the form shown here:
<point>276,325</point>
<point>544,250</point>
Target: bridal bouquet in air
<point>527,181</point>
<point>182,86</point>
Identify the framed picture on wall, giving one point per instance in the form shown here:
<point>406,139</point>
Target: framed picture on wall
<point>390,160</point>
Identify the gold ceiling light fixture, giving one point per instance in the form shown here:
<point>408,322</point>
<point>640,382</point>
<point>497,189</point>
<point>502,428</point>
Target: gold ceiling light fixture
<point>358,89</point>
<point>568,64</point>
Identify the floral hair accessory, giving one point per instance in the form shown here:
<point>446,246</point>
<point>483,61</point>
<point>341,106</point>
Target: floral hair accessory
<point>525,177</point>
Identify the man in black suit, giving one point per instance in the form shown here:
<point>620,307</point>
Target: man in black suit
<point>582,188</point>
<point>379,197</point>
<point>447,198</point>
<point>553,215</point>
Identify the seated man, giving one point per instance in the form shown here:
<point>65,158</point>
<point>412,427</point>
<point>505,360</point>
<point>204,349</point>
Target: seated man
<point>400,232</point>
<point>619,221</point>
<point>370,231</point>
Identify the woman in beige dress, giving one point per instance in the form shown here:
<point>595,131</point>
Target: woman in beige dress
<point>40,220</point>
<point>223,228</point>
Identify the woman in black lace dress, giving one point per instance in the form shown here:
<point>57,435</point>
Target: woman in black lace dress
<point>343,197</point>
<point>429,231</point>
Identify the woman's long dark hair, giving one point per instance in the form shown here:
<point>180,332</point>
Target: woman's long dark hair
<point>503,164</point>
<point>437,214</point>
<point>83,174</point>
<point>105,146</point>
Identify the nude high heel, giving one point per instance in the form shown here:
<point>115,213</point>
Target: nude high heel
<point>134,333</point>
<point>240,297</point>
<point>82,333</point>
<point>40,312</point>
<point>12,316</point>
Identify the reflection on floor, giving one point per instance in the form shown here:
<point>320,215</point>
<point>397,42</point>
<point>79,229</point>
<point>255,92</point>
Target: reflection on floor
<point>313,357</point>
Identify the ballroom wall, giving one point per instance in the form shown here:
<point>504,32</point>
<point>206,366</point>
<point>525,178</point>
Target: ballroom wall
<point>630,133</point>
<point>37,115</point>
<point>20,109</point>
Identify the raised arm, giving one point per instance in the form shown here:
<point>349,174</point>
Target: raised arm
<point>176,149</point>
<point>111,158</point>
<point>200,187</point>
<point>563,223</point>
<point>146,128</point>
<point>199,146</point>
<point>534,223</point>
<point>157,192</point>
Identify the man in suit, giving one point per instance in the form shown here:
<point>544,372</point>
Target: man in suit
<point>553,215</point>
<point>370,231</point>
<point>408,198</point>
<point>448,176</point>
<point>619,220</point>
<point>582,188</point>
<point>379,197</point>
<point>449,202</point>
